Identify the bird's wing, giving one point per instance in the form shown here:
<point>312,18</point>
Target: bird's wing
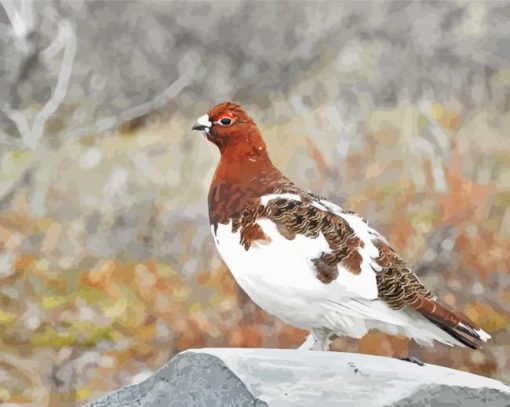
<point>345,255</point>
<point>365,277</point>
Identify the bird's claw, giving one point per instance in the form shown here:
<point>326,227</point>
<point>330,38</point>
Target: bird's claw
<point>413,359</point>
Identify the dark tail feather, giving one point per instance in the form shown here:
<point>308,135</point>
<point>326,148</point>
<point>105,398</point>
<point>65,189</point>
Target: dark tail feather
<point>456,325</point>
<point>469,342</point>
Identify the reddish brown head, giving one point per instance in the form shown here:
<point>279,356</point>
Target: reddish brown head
<point>245,171</point>
<point>229,127</point>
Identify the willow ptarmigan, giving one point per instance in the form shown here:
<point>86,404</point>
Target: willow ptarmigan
<point>305,259</point>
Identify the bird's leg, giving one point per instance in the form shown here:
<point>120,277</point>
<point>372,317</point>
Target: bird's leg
<point>414,349</point>
<point>317,339</point>
<point>322,340</point>
<point>308,344</point>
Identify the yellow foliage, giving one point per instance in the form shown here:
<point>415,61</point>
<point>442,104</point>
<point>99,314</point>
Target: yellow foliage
<point>116,310</point>
<point>4,394</point>
<point>196,307</point>
<point>100,276</point>
<point>83,394</point>
<point>437,111</point>
<point>180,293</point>
<point>71,336</point>
<point>488,317</point>
<point>43,223</point>
<point>6,317</point>
<point>53,302</point>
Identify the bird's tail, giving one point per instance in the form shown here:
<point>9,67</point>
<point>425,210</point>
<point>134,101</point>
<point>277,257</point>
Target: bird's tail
<point>455,324</point>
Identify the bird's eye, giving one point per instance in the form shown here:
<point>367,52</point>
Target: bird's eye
<point>226,119</point>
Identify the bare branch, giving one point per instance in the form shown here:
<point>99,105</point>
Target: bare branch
<point>189,65</point>
<point>99,126</point>
<point>159,101</point>
<point>22,19</point>
<point>66,39</point>
<point>439,142</point>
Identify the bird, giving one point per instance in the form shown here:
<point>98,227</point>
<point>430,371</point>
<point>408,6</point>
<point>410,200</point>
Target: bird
<point>306,260</point>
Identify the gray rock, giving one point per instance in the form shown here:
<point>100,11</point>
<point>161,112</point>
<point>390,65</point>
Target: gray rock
<point>449,396</point>
<point>189,379</point>
<point>276,377</point>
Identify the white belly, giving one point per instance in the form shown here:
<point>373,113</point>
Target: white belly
<point>279,276</point>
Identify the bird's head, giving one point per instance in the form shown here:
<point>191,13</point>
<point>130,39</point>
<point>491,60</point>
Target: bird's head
<point>230,128</point>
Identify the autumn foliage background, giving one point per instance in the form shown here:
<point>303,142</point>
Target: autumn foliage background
<point>398,110</point>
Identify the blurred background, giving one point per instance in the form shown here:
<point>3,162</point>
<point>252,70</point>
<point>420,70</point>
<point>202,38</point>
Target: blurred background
<point>398,110</point>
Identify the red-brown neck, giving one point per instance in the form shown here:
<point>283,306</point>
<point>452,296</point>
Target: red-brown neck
<point>244,173</point>
<point>242,161</point>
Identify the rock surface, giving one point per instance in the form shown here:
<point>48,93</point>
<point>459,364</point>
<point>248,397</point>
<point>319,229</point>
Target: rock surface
<point>275,377</point>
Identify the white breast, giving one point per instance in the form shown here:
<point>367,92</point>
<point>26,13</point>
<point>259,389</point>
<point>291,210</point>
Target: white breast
<point>272,275</point>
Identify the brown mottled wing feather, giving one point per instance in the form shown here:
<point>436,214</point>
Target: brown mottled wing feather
<point>294,217</point>
<point>399,287</point>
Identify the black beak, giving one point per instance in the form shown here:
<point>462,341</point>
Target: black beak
<point>199,127</point>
